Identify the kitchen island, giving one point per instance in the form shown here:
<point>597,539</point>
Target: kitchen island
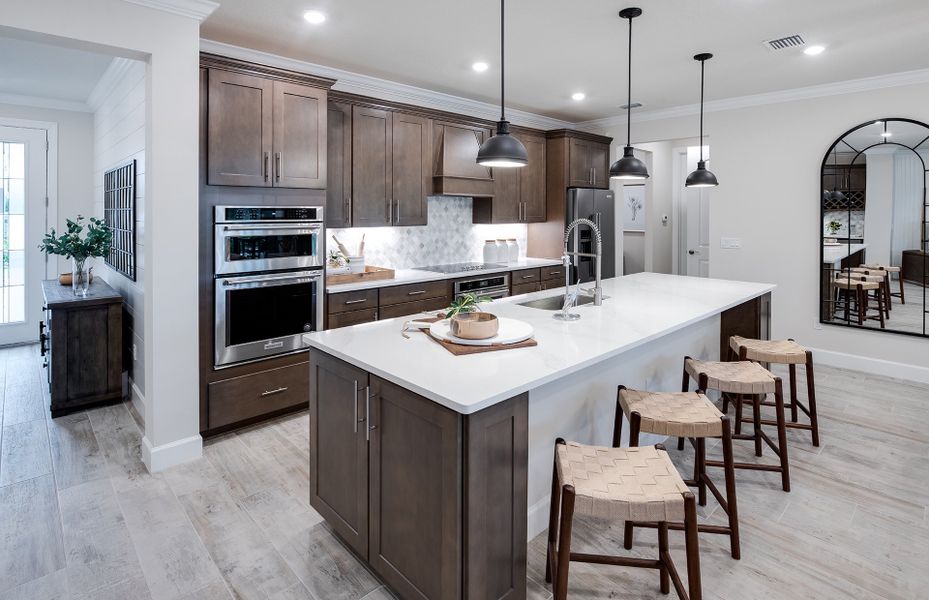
<point>436,468</point>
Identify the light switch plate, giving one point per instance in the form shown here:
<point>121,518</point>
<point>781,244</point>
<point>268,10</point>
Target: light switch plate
<point>730,243</point>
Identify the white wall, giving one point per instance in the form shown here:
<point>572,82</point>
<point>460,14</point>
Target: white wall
<point>768,159</point>
<point>75,162</point>
<point>879,204</point>
<point>119,135</point>
<point>169,43</point>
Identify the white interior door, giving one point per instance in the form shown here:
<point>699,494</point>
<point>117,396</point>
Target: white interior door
<point>694,216</point>
<point>23,177</point>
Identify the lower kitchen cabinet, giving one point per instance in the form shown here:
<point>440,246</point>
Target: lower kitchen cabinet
<point>250,396</point>
<point>524,288</point>
<point>352,317</point>
<point>411,308</point>
<point>433,500</point>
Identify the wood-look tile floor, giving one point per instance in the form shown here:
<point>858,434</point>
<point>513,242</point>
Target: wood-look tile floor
<point>80,518</point>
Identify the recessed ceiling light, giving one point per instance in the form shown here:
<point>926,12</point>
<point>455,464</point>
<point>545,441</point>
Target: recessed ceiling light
<point>480,67</point>
<point>886,134</point>
<point>814,50</point>
<point>578,96</point>
<point>314,16</point>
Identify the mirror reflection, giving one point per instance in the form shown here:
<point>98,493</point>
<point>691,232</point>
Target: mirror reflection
<point>875,255</point>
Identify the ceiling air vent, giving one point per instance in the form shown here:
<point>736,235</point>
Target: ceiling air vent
<point>784,43</point>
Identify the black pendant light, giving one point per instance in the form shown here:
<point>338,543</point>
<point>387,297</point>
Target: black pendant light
<point>702,177</point>
<point>502,150</point>
<point>629,167</point>
<point>835,195</point>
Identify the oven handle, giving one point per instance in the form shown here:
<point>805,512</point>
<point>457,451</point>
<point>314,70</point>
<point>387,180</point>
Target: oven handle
<point>269,227</point>
<point>275,279</point>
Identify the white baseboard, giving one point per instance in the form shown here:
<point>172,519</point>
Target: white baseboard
<point>873,366</point>
<point>159,458</point>
<point>138,402</point>
<point>538,518</point>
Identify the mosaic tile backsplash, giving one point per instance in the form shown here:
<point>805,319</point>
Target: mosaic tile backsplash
<point>857,221</point>
<point>449,237</point>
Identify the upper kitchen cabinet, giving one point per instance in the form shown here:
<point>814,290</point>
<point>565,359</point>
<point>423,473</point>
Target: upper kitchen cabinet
<point>456,170</point>
<point>371,167</point>
<point>584,158</point>
<point>411,167</point>
<point>339,165</point>
<point>266,127</point>
<point>519,193</point>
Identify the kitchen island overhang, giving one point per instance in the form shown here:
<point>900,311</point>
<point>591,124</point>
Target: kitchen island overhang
<point>407,438</point>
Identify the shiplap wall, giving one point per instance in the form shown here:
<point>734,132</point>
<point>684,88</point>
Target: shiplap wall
<point>119,135</point>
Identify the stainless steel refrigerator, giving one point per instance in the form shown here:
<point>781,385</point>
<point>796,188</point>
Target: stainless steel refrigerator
<point>600,207</point>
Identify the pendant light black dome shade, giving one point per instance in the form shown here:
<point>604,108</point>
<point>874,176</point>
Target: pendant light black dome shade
<point>835,195</point>
<point>502,150</point>
<point>629,167</point>
<point>702,177</point>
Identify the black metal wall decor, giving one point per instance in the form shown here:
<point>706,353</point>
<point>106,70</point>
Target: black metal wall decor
<point>119,216</point>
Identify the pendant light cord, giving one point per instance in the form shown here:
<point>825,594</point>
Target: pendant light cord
<point>702,68</point>
<point>502,66</point>
<point>629,91</point>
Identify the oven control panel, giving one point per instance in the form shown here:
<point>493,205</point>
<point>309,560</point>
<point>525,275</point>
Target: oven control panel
<point>279,214</point>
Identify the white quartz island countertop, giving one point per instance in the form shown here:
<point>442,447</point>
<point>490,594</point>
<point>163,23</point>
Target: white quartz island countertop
<point>638,308</point>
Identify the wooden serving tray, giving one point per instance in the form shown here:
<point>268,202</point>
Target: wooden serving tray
<point>371,273</point>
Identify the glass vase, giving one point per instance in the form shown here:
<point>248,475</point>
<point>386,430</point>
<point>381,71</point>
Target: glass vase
<point>80,276</point>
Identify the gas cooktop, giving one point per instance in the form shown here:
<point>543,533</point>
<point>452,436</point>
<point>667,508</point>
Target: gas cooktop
<point>465,267</point>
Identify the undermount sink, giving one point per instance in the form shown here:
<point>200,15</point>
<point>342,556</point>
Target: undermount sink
<point>554,302</point>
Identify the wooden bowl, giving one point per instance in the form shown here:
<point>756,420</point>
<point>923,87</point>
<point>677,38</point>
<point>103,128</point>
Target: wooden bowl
<point>474,325</point>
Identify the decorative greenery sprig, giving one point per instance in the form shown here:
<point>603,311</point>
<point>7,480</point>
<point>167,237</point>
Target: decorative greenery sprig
<point>466,303</point>
<point>834,226</point>
<point>70,244</point>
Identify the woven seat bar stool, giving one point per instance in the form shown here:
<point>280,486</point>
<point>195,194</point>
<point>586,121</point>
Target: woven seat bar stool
<point>628,484</point>
<point>890,270</point>
<point>739,383</point>
<point>783,352</point>
<point>881,277</point>
<point>861,287</point>
<point>688,415</point>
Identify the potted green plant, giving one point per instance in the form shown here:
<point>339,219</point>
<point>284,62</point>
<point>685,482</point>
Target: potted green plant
<point>71,244</point>
<point>834,226</point>
<point>465,304</point>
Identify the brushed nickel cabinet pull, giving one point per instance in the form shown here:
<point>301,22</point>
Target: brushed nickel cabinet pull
<point>267,164</point>
<point>368,427</point>
<point>355,387</point>
<point>528,276</point>
<point>279,166</point>
<point>272,392</point>
<point>416,293</point>
<point>347,302</point>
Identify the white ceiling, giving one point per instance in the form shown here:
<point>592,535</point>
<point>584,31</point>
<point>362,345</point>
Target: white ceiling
<point>49,72</point>
<point>557,47</point>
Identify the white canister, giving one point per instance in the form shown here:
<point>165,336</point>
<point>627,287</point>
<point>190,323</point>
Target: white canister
<point>512,247</point>
<point>490,251</point>
<point>503,253</point>
<point>356,264</point>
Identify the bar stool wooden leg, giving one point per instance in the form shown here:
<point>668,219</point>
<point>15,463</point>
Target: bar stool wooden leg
<point>781,434</point>
<point>635,425</point>
<point>700,468</point>
<point>564,543</point>
<point>880,308</point>
<point>553,520</point>
<point>756,418</point>
<point>793,392</point>
<point>692,544</point>
<point>811,398</point>
<point>900,279</point>
<point>862,304</point>
<point>732,509</point>
<point>739,399</point>
<point>663,549</point>
<point>618,421</point>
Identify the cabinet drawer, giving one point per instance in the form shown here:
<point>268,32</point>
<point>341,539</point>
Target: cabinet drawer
<point>352,317</point>
<point>248,396</point>
<point>553,273</point>
<point>525,288</point>
<point>400,294</point>
<point>525,276</point>
<point>417,306</point>
<point>551,284</point>
<point>345,301</point>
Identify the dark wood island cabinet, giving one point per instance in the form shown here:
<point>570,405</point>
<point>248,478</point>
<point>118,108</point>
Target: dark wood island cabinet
<point>82,341</point>
<point>432,500</point>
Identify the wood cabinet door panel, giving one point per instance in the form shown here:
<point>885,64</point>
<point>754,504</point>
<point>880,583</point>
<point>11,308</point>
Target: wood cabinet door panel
<point>555,274</point>
<point>86,339</point>
<point>397,294</point>
<point>519,289</point>
<point>600,162</point>
<point>338,448</point>
<point>506,203</point>
<point>299,138</point>
<point>241,398</point>
<point>415,502</point>
<point>457,146</point>
<point>339,165</point>
<point>411,173</point>
<point>532,180</point>
<point>412,308</point>
<point>371,167</point>
<point>579,167</point>
<point>354,300</point>
<point>239,129</point>
<point>353,317</point>
<point>525,276</point>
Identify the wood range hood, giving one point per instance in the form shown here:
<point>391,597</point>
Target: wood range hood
<point>456,172</point>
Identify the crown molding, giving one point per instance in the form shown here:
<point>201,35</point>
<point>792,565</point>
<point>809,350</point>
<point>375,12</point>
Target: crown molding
<point>114,74</point>
<point>193,9</point>
<point>837,88</point>
<point>383,89</point>
<point>39,102</point>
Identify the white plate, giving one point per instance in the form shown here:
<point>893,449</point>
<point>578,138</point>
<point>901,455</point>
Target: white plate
<point>511,331</point>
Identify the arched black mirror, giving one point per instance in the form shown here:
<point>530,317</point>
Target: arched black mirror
<point>874,252</point>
